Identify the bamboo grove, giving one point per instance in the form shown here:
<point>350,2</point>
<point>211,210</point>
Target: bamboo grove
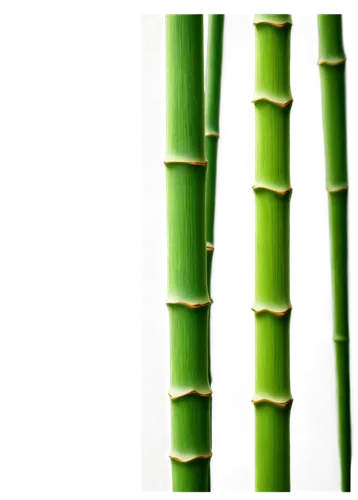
<point>192,134</point>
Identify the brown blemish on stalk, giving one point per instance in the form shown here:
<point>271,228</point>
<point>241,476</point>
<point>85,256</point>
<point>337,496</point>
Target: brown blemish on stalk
<point>191,306</point>
<point>276,103</point>
<point>181,162</point>
<point>331,62</point>
<point>277,191</point>
<point>209,247</point>
<point>199,457</point>
<point>337,190</point>
<point>194,391</point>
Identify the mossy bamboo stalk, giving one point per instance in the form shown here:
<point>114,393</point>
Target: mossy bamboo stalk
<point>272,305</point>
<point>187,295</point>
<point>332,72</point>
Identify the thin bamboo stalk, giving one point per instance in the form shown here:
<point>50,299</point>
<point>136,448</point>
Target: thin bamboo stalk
<point>272,305</point>
<point>212,111</point>
<point>187,296</point>
<point>332,72</point>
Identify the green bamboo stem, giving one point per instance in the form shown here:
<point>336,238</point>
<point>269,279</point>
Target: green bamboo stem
<point>212,111</point>
<point>272,305</point>
<point>214,86</point>
<point>187,295</point>
<point>332,71</point>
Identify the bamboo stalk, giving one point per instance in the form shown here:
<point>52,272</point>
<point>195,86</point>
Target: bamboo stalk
<point>212,111</point>
<point>332,72</point>
<point>272,305</point>
<point>187,295</point>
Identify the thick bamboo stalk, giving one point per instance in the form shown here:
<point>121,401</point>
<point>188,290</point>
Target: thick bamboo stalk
<point>272,305</point>
<point>332,71</point>
<point>187,296</point>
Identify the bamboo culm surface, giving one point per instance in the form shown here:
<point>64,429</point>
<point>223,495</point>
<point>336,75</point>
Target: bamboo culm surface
<point>187,294</point>
<point>331,62</point>
<point>272,305</point>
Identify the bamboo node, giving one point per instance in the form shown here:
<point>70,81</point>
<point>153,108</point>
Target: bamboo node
<point>189,392</point>
<point>277,191</point>
<point>271,311</point>
<point>337,189</point>
<point>184,162</point>
<point>340,339</point>
<point>189,304</point>
<point>273,402</point>
<point>184,460</point>
<point>272,23</point>
<point>331,61</point>
<point>280,104</point>
<point>212,134</point>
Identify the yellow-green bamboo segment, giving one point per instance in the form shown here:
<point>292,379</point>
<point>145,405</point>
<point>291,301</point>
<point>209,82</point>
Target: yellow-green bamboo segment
<point>331,62</point>
<point>187,294</point>
<point>272,305</point>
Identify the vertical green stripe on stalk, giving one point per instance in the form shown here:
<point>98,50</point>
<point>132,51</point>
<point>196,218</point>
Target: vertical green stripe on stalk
<point>272,305</point>
<point>187,296</point>
<point>332,72</point>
